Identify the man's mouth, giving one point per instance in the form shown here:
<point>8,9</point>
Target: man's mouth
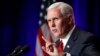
<point>54,30</point>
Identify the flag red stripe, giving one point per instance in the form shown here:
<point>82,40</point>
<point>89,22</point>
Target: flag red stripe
<point>42,42</point>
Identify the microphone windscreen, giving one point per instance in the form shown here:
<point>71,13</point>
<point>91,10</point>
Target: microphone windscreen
<point>23,49</point>
<point>15,51</point>
<point>17,48</point>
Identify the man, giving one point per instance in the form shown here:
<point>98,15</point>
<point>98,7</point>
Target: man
<point>72,41</point>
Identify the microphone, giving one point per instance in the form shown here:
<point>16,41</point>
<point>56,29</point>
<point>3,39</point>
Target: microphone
<point>22,50</point>
<point>15,51</point>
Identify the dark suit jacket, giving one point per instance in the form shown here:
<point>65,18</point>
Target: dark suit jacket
<point>81,43</point>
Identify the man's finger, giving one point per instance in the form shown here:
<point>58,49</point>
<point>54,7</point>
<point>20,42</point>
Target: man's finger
<point>45,39</point>
<point>44,49</point>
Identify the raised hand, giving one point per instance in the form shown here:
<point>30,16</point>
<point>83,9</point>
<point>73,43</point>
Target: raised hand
<point>50,48</point>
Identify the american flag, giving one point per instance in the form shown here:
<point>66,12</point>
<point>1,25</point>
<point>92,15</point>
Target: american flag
<point>43,30</point>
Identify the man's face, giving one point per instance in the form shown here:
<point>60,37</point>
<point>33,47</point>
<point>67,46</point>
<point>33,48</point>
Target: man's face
<point>56,22</point>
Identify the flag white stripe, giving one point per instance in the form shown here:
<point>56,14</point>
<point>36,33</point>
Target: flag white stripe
<point>38,48</point>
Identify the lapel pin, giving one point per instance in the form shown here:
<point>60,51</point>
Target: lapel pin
<point>68,46</point>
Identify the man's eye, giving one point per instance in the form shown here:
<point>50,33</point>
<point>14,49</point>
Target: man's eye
<point>55,18</point>
<point>48,20</point>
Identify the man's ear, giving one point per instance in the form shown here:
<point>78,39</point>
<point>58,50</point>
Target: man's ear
<point>70,19</point>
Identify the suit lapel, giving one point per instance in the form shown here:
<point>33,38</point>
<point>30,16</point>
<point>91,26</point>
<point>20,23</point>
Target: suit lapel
<point>71,41</point>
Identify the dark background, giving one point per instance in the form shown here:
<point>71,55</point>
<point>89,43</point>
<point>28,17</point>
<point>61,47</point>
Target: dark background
<point>19,22</point>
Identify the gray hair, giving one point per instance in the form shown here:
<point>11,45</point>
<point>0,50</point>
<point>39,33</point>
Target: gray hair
<point>65,8</point>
